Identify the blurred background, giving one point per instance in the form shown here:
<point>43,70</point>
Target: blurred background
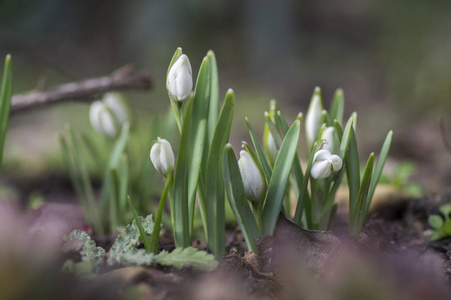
<point>391,58</point>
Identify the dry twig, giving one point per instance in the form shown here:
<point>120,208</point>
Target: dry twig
<point>86,90</point>
<point>441,128</point>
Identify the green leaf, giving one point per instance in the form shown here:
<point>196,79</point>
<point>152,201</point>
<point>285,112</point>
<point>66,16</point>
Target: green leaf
<point>90,252</point>
<point>337,108</point>
<point>190,156</point>
<point>436,235</point>
<point>435,221</point>
<point>215,181</point>
<point>445,209</point>
<point>447,228</point>
<point>304,200</point>
<point>353,172</point>
<point>5,102</point>
<point>237,199</point>
<point>184,257</point>
<point>279,178</point>
<point>379,166</point>
<point>259,150</point>
<point>142,231</point>
<point>214,97</point>
<point>360,211</point>
<point>130,239</point>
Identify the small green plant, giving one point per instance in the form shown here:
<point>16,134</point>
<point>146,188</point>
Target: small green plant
<point>441,224</point>
<point>5,102</point>
<point>126,251</point>
<point>277,170</point>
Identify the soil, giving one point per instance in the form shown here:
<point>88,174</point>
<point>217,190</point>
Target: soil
<point>392,259</point>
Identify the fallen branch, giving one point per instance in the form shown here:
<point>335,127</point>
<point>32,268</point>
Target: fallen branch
<point>86,90</point>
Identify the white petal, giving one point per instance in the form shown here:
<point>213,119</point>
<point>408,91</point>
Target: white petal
<point>115,102</point>
<point>180,80</point>
<point>322,155</point>
<point>94,111</point>
<point>336,162</point>
<point>328,135</point>
<point>107,122</point>
<point>320,169</point>
<point>251,177</point>
<point>162,156</point>
<point>312,125</point>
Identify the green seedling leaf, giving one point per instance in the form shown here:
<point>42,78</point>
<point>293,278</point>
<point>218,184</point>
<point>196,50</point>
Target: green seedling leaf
<point>337,108</point>
<point>304,200</point>
<point>279,178</point>
<point>237,199</point>
<point>215,180</point>
<point>447,228</point>
<point>214,97</point>
<point>445,209</point>
<point>259,150</point>
<point>130,239</point>
<point>435,221</point>
<point>83,269</point>
<point>90,252</point>
<point>142,231</point>
<point>353,172</point>
<point>436,235</point>
<point>379,167</point>
<point>360,210</point>
<point>5,102</point>
<point>184,257</point>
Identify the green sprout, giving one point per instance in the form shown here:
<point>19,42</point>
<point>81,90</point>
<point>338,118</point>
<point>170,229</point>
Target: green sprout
<point>441,224</point>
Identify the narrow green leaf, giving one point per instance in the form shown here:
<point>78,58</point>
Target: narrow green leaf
<point>259,150</point>
<point>360,212</point>
<point>353,172</point>
<point>214,97</point>
<point>279,180</point>
<point>379,167</point>
<point>198,134</point>
<point>337,108</point>
<point>5,102</point>
<point>304,200</point>
<point>158,216</point>
<point>215,180</point>
<point>237,199</point>
<point>142,232</point>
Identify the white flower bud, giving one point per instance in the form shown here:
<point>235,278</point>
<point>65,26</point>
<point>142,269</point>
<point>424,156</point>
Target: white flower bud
<point>108,115</point>
<point>328,135</point>
<point>271,147</point>
<point>325,163</point>
<point>180,79</point>
<point>312,119</point>
<point>252,178</point>
<point>162,156</point>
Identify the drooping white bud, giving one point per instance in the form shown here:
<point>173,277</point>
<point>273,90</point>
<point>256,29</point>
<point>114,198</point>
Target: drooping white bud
<point>109,114</point>
<point>162,156</point>
<point>328,135</point>
<point>271,147</point>
<point>324,164</point>
<point>252,178</point>
<point>180,79</point>
<point>312,119</point>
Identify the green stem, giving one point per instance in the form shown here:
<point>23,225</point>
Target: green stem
<point>157,224</point>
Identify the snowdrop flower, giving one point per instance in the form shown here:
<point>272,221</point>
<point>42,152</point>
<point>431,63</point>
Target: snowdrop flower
<point>162,156</point>
<point>312,119</point>
<point>180,79</point>
<point>252,177</point>
<point>271,147</point>
<point>328,135</point>
<point>108,115</point>
<point>325,163</point>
